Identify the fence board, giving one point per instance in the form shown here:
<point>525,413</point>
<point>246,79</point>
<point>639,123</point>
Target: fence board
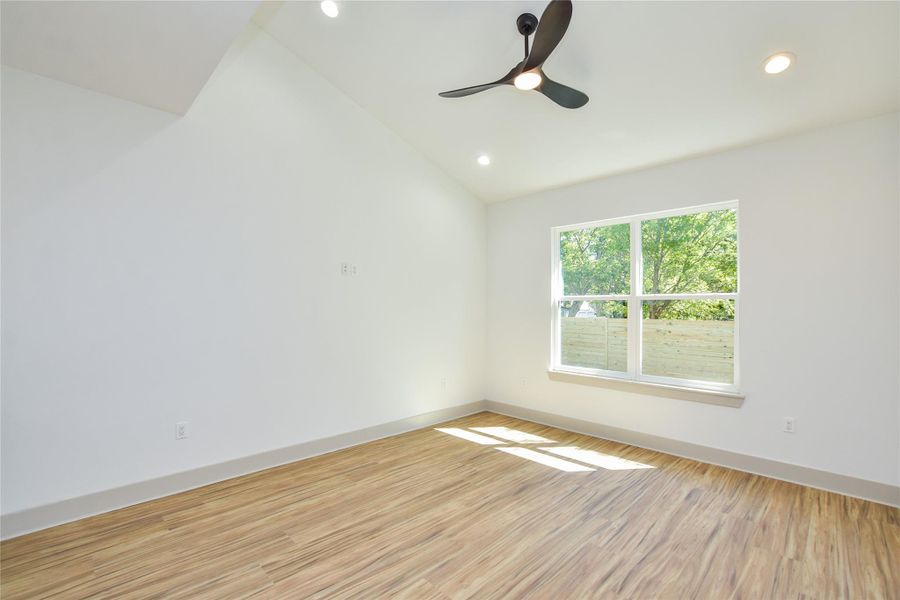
<point>672,348</point>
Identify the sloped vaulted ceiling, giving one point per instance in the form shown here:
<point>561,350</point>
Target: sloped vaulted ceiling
<point>667,80</point>
<point>159,54</point>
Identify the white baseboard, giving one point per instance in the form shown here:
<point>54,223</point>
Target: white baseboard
<point>824,480</point>
<point>72,509</point>
<point>41,517</point>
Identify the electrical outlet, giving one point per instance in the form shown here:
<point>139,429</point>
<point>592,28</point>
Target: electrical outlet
<point>789,425</point>
<point>181,430</point>
<point>348,269</point>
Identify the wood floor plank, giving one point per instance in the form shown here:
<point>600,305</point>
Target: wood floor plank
<point>428,515</point>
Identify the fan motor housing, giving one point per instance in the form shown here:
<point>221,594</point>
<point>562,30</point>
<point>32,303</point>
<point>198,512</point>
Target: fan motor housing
<point>526,24</point>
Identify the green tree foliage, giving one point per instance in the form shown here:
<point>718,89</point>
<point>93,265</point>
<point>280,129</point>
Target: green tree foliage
<point>683,254</point>
<point>595,261</point>
<point>690,254</point>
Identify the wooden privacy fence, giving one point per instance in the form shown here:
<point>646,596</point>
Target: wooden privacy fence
<point>701,350</point>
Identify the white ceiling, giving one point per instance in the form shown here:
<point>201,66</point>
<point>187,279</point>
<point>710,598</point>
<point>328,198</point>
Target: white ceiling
<point>667,80</point>
<point>159,54</point>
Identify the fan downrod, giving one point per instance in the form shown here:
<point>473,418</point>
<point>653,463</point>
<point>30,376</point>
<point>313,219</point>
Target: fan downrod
<point>526,24</point>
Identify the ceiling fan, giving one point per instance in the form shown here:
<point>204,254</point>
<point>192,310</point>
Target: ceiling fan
<point>528,74</point>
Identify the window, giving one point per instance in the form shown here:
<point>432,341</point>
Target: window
<point>649,298</point>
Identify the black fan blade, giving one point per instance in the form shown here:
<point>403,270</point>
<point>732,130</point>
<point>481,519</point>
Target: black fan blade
<point>505,80</point>
<point>551,29</point>
<point>471,90</point>
<point>562,94</point>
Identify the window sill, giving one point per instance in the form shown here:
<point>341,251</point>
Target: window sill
<point>657,389</point>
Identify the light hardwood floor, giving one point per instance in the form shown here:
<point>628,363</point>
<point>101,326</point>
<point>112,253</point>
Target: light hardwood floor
<point>427,515</point>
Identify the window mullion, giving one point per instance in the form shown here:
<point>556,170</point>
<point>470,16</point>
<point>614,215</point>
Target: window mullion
<point>634,303</point>
<point>603,297</point>
<point>693,353</point>
<point>697,296</point>
<point>556,290</point>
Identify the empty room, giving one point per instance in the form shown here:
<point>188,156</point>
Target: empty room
<point>445,300</point>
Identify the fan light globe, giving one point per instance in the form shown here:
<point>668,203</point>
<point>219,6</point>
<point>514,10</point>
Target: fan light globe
<point>778,63</point>
<point>330,8</point>
<point>528,80</point>
<point>484,160</point>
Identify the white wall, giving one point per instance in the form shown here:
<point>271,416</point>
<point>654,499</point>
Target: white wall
<point>158,269</point>
<point>819,331</point>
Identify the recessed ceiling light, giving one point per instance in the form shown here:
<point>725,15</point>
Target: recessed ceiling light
<point>330,8</point>
<point>528,80</point>
<point>484,160</point>
<point>779,63</point>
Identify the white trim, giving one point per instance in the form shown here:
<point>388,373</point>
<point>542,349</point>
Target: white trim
<point>700,391</point>
<point>635,299</point>
<point>623,297</point>
<point>635,316</point>
<point>600,298</point>
<point>41,517</point>
<point>689,384</point>
<point>737,305</point>
<point>555,289</point>
<point>599,373</point>
<point>675,212</point>
<point>635,322</point>
<point>71,509</point>
<point>697,296</point>
<point>590,224</point>
<point>847,485</point>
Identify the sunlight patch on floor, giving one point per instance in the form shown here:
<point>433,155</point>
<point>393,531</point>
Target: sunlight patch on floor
<point>598,459</point>
<point>550,461</point>
<point>468,435</point>
<point>513,435</point>
<point>556,455</point>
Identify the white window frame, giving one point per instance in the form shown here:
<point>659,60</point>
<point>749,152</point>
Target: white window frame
<point>634,299</point>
